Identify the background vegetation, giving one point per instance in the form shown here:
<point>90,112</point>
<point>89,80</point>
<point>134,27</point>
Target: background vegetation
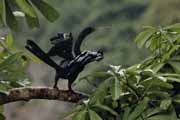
<point>125,17</point>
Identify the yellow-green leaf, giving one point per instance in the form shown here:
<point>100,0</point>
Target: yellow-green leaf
<point>142,37</point>
<point>80,115</point>
<point>26,7</point>
<point>9,41</point>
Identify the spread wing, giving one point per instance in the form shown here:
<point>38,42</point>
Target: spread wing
<point>63,47</point>
<point>77,44</point>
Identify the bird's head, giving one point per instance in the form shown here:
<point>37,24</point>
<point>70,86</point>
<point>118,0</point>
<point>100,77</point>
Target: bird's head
<point>94,55</point>
<point>61,37</point>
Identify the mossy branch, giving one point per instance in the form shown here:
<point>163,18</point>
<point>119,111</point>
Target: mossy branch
<point>28,93</point>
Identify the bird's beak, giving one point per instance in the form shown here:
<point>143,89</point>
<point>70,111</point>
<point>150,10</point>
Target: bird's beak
<point>99,56</point>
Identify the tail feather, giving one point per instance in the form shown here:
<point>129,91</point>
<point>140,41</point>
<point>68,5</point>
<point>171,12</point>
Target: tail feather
<point>87,31</point>
<point>37,51</point>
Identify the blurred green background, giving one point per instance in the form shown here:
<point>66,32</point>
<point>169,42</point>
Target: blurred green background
<point>125,19</point>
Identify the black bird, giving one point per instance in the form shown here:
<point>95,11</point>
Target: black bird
<point>67,48</point>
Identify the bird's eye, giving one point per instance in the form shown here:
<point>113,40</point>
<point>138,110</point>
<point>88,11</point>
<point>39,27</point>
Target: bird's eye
<point>100,51</point>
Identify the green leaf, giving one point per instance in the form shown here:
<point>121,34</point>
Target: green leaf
<point>3,89</point>
<point>72,111</point>
<point>165,104</point>
<point>148,72</point>
<point>80,115</point>
<point>1,109</point>
<point>16,84</point>
<point>171,77</point>
<point>176,66</point>
<point>99,95</point>
<point>9,41</point>
<point>171,115</point>
<point>142,37</point>
<point>10,60</point>
<point>154,82</point>
<point>116,90</point>
<point>158,66</point>
<point>100,74</point>
<point>9,17</point>
<point>106,108</point>
<point>126,113</point>
<point>174,27</point>
<point>170,52</point>
<point>139,109</point>
<point>154,43</point>
<point>94,116</point>
<point>160,94</point>
<point>26,7</point>
<point>49,12</point>
<point>2,117</point>
<point>2,12</point>
<point>177,99</point>
<point>153,111</point>
<point>33,22</point>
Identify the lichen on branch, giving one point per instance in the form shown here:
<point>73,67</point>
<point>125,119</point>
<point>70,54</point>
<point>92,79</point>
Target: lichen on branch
<point>28,93</point>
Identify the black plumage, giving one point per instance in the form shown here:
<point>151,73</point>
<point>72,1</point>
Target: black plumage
<point>67,48</point>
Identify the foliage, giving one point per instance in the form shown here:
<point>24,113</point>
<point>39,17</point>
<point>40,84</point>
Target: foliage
<point>12,67</point>
<point>145,91</point>
<point>157,13</point>
<point>78,14</point>
<point>10,10</point>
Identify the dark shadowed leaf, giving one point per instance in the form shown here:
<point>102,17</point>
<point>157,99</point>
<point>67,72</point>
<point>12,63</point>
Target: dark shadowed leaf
<point>126,113</point>
<point>170,115</point>
<point>2,117</point>
<point>106,108</point>
<point>9,17</point>
<point>94,116</point>
<point>2,12</point>
<point>139,109</point>
<point>49,12</point>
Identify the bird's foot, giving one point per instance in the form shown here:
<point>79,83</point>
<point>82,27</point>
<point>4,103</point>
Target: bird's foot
<point>71,90</point>
<point>55,87</point>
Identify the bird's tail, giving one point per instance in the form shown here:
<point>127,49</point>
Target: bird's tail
<point>37,51</point>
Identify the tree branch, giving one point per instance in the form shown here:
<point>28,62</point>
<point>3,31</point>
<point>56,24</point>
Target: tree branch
<point>26,94</point>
